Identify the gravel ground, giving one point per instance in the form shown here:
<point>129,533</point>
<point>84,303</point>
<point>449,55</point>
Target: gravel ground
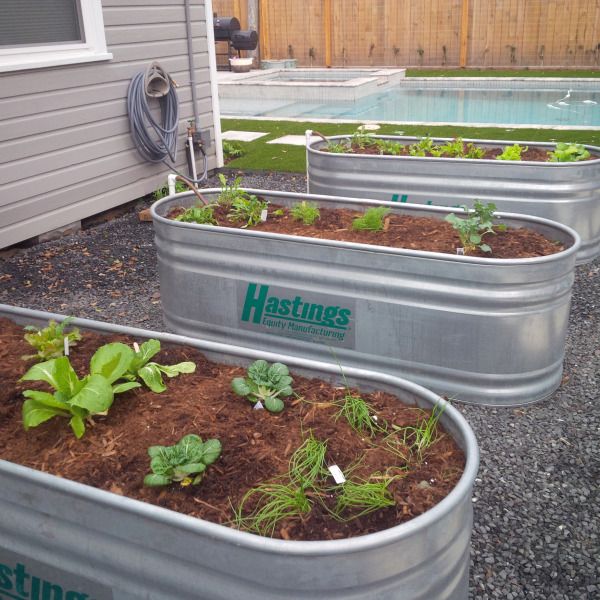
<point>536,531</point>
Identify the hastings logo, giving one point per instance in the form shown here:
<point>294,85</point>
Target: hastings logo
<point>313,317</point>
<point>18,583</point>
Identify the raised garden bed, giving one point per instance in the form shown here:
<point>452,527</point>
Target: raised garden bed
<point>481,329</point>
<point>92,541</point>
<point>566,192</point>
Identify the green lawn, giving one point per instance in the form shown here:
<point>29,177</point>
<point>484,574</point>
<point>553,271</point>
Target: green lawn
<point>260,156</point>
<point>502,73</point>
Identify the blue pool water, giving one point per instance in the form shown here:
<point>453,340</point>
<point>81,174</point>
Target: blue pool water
<point>556,106</point>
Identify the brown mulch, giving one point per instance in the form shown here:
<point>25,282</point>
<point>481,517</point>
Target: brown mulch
<point>400,231</point>
<point>257,445</point>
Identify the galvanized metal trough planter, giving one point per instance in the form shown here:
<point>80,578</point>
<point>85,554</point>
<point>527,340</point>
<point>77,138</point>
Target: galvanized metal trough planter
<point>565,192</point>
<point>482,330</point>
<point>70,541</point>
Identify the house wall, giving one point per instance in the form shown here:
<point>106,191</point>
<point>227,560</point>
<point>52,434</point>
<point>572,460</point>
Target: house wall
<point>65,148</point>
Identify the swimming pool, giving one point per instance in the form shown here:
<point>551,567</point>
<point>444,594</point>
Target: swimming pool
<point>546,102</point>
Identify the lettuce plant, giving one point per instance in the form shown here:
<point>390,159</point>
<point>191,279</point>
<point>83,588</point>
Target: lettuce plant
<point>265,383</point>
<point>76,398</point>
<point>49,341</point>
<point>565,152</point>
<point>512,152</point>
<point>203,215</point>
<point>248,208</point>
<point>184,463</point>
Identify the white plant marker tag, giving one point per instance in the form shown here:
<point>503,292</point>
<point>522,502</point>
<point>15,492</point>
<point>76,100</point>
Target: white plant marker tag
<point>337,474</point>
<point>263,215</point>
<point>136,348</point>
<point>66,344</point>
<point>258,406</point>
<point>460,251</point>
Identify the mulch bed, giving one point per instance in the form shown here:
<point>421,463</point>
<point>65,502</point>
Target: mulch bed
<point>257,445</point>
<point>400,231</point>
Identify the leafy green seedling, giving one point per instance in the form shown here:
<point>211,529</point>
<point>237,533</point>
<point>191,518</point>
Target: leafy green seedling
<point>390,147</point>
<point>473,151</point>
<point>307,212</point>
<point>163,190</point>
<point>231,150</point>
<point>512,152</point>
<point>336,147</point>
<point>151,372</point>
<point>49,341</point>
<point>372,219</point>
<point>424,147</point>
<point>183,463</point>
<point>364,497</point>
<point>203,215</point>
<point>265,383</point>
<point>247,208</point>
<point>565,152</point>
<point>76,398</point>
<point>360,139</point>
<point>229,191</point>
<point>472,229</point>
<point>453,149</point>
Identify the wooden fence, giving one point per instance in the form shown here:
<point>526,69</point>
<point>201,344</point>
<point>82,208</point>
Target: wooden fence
<point>429,33</point>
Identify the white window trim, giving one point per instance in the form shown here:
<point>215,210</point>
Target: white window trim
<point>52,55</point>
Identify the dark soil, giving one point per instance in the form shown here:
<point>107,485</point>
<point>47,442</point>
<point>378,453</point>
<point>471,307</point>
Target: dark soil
<point>257,445</point>
<point>400,231</point>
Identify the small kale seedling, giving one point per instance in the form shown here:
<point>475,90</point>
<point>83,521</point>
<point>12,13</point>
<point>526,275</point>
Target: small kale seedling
<point>183,463</point>
<point>473,151</point>
<point>247,208</point>
<point>265,383</point>
<point>424,147</point>
<point>472,229</point>
<point>565,152</point>
<point>372,219</point>
<point>202,215</point>
<point>512,152</point>
<point>360,139</point>
<point>49,341</point>
<point>336,147</point>
<point>307,212</point>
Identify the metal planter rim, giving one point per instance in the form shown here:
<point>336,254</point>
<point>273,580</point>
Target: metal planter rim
<point>313,147</point>
<point>162,206</point>
<point>242,538</point>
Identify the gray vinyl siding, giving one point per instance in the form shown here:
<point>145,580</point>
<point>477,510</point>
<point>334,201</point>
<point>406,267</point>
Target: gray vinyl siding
<point>65,148</point>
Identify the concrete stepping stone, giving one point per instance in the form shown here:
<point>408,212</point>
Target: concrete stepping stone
<point>242,136</point>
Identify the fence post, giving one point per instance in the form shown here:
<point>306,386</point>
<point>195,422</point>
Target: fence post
<point>464,33</point>
<point>263,30</point>
<point>327,27</point>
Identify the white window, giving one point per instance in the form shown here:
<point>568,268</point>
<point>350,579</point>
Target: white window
<point>48,33</point>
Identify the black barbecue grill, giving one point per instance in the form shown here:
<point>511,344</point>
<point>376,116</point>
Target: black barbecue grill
<point>228,29</point>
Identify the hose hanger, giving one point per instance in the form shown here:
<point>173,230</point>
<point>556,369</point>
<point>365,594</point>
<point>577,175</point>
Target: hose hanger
<point>156,83</point>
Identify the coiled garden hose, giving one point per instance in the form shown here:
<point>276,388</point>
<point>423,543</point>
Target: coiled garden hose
<point>155,82</point>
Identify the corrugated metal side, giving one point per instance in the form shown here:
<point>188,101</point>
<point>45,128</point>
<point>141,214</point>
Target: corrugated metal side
<point>65,148</point>
<point>483,330</point>
<point>565,192</point>
<point>142,551</point>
